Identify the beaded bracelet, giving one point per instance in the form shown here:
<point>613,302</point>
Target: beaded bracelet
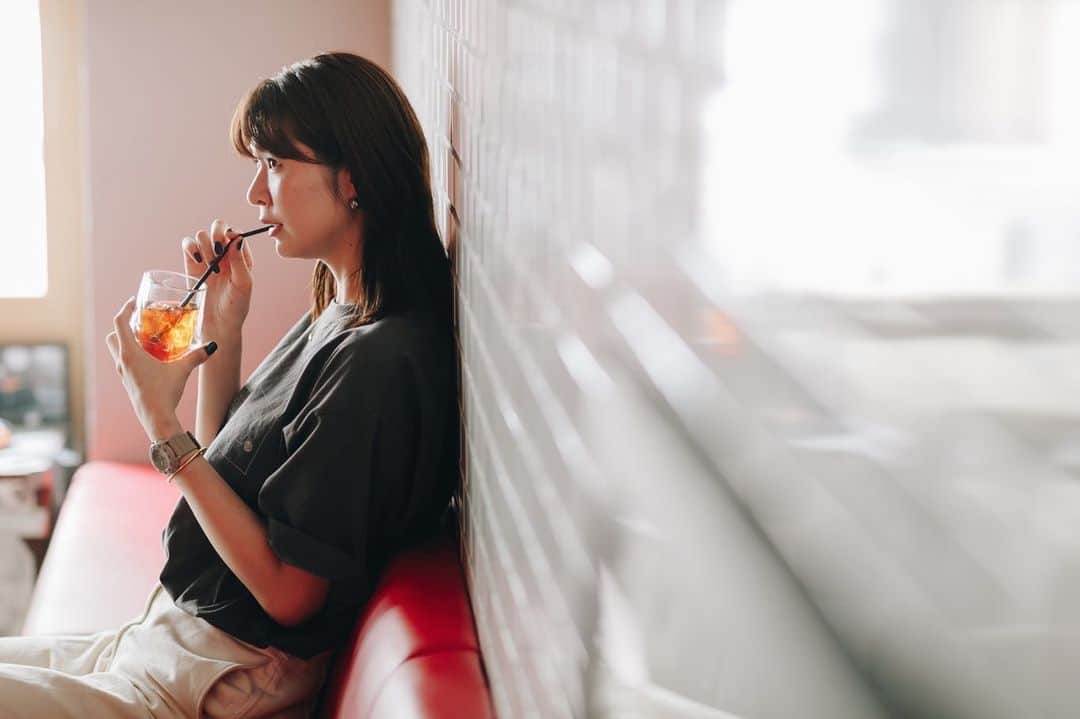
<point>187,460</point>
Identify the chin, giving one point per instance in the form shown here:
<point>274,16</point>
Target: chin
<point>288,250</point>
<point>282,249</point>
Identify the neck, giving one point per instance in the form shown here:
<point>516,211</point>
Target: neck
<point>347,286</point>
<point>345,265</point>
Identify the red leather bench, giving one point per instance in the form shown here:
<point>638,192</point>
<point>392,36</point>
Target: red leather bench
<point>412,653</point>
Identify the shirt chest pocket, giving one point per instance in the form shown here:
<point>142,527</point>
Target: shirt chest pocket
<point>252,437</point>
<point>250,432</point>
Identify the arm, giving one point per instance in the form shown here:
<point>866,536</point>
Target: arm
<point>228,297</point>
<point>288,594</point>
<point>219,381</point>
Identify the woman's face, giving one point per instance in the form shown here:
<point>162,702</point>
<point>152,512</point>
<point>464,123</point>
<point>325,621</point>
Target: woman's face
<point>311,219</point>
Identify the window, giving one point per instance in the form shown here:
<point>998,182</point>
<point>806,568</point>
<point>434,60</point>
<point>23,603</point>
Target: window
<point>892,198</point>
<point>920,147</point>
<point>23,269</point>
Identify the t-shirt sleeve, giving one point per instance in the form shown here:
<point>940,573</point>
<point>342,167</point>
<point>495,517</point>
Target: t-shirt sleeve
<point>354,442</point>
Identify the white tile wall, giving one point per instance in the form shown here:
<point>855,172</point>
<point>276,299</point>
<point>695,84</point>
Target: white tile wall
<point>702,490</point>
<point>565,156</point>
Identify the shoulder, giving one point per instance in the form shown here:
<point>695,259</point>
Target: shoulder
<point>405,349</point>
<point>392,339</point>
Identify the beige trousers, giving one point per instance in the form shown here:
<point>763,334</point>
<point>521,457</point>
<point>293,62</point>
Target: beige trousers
<point>164,664</point>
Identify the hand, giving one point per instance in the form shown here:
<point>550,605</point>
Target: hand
<point>228,291</point>
<point>153,387</point>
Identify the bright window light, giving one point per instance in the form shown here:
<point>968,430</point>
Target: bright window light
<point>23,268</point>
<point>900,152</point>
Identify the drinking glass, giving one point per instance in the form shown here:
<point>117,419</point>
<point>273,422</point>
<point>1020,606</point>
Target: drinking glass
<point>164,328</point>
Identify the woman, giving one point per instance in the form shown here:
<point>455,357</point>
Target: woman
<point>340,449</point>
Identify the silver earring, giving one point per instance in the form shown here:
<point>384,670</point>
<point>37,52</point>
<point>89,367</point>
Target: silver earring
<point>354,204</point>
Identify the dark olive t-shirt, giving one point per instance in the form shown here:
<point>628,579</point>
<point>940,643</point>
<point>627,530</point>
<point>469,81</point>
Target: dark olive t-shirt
<point>345,442</point>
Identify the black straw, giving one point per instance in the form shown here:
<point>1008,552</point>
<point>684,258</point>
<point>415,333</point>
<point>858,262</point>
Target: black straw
<point>217,260</point>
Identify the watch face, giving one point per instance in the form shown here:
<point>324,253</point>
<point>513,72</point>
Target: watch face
<point>160,458</point>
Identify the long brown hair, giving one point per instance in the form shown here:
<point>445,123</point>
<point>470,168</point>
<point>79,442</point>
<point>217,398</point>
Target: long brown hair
<point>353,115</point>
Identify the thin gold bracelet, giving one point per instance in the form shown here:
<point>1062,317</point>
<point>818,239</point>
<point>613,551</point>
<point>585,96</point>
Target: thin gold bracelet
<point>187,460</point>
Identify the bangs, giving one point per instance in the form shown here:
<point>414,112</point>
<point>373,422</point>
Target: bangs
<point>263,120</point>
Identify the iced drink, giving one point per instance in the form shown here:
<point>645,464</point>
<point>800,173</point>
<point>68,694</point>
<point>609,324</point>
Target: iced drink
<point>164,328</point>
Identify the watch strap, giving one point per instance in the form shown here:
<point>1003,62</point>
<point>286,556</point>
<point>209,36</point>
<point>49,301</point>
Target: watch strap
<point>188,459</point>
<point>172,450</point>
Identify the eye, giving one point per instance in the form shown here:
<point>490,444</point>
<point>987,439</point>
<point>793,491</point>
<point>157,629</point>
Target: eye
<point>271,163</point>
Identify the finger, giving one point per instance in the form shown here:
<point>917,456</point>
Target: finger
<point>249,258</point>
<point>197,356</point>
<point>230,241</point>
<point>240,258</point>
<point>113,344</point>
<point>194,261</point>
<point>122,325</point>
<point>206,246</point>
<point>219,232</point>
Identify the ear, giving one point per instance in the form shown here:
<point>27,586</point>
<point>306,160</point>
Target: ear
<point>344,183</point>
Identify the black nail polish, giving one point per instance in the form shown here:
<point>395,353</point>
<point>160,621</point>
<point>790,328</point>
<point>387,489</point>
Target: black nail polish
<point>217,248</point>
<point>240,244</point>
<point>211,348</point>
<point>216,269</point>
<point>198,257</point>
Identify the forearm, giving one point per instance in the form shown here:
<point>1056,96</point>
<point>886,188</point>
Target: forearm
<point>219,381</point>
<point>288,594</point>
<point>240,538</point>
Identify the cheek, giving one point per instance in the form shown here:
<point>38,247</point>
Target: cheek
<point>313,193</point>
<point>305,201</point>
<point>274,189</point>
<point>312,200</point>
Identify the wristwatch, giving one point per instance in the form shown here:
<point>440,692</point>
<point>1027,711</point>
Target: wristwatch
<point>166,454</point>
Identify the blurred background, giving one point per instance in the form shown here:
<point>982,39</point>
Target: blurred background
<point>767,311</point>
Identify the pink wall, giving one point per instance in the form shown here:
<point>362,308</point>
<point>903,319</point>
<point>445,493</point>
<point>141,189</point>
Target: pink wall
<point>162,82</point>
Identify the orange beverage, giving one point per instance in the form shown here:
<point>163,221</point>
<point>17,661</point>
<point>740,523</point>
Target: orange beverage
<point>166,330</point>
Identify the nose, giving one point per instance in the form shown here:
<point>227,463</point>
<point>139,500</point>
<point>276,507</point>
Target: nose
<point>258,193</point>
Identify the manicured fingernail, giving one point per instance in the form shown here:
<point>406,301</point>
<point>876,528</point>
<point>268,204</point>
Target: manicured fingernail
<point>217,269</point>
<point>198,257</point>
<point>240,244</point>
<point>211,348</point>
<point>217,247</point>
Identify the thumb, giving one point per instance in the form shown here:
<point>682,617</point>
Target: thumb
<point>249,259</point>
<point>196,357</point>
